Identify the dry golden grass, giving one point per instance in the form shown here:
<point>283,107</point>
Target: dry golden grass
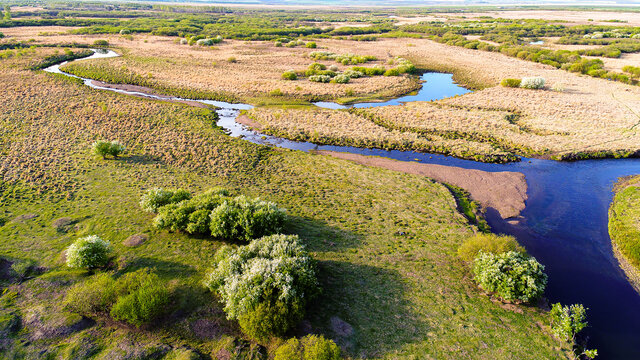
<point>562,16</point>
<point>588,115</point>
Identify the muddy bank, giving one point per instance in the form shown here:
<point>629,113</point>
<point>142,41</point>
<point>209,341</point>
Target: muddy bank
<point>247,121</point>
<point>506,192</point>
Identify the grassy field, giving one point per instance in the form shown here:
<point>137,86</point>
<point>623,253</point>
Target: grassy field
<point>385,241</point>
<point>624,227</point>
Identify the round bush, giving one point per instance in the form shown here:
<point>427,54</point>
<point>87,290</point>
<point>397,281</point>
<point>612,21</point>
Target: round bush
<point>311,45</point>
<point>244,219</point>
<point>310,347</point>
<point>104,148</point>
<point>90,252</point>
<point>290,75</point>
<point>488,243</point>
<point>320,78</point>
<point>513,83</point>
<point>265,285</point>
<point>155,198</point>
<point>512,276</point>
<point>143,299</point>
<point>341,79</point>
<point>532,83</point>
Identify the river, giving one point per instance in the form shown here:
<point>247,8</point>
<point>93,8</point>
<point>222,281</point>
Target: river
<point>564,224</point>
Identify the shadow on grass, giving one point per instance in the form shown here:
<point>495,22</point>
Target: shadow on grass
<point>164,268</point>
<point>318,236</point>
<point>143,159</point>
<point>370,300</point>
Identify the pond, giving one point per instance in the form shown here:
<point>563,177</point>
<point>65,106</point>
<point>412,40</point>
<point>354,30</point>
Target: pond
<point>564,224</point>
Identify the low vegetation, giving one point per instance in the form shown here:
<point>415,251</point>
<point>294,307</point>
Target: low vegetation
<point>90,252</point>
<point>309,347</point>
<point>624,229</point>
<point>566,323</point>
<point>488,243</point>
<point>108,148</point>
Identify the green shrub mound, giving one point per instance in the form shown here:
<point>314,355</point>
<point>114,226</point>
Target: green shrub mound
<point>137,298</point>
<point>264,285</point>
<point>108,148</point>
<point>320,78</point>
<point>566,323</point>
<point>310,347</point>
<point>190,215</point>
<point>370,71</point>
<point>512,83</point>
<point>488,243</point>
<point>89,252</point>
<point>341,79</point>
<point>511,276</point>
<point>290,75</point>
<point>242,218</point>
<point>155,198</point>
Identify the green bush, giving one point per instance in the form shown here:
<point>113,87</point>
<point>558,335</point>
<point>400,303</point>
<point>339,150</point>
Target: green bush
<point>104,148</point>
<point>512,83</point>
<point>101,43</point>
<point>341,79</point>
<point>317,66</point>
<point>392,72</point>
<point>137,298</point>
<point>488,243</point>
<point>142,298</point>
<point>566,323</point>
<point>155,198</point>
<point>265,285</point>
<point>320,78</point>
<point>310,347</point>
<point>512,276</point>
<point>290,75</point>
<point>93,297</point>
<point>90,252</point>
<point>182,216</point>
<point>243,218</point>
<point>311,45</point>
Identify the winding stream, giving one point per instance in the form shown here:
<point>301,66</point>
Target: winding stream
<point>564,224</point>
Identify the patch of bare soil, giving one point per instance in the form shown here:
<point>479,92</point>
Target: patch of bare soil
<point>506,192</point>
<point>247,121</point>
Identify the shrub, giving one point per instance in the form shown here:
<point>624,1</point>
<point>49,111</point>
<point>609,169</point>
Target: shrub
<point>392,72</point>
<point>93,297</point>
<point>187,215</point>
<point>232,59</point>
<point>334,68</point>
<point>104,148</point>
<point>143,298</point>
<point>311,45</point>
<point>532,83</point>
<point>341,79</point>
<point>277,44</point>
<point>353,74</point>
<point>567,321</point>
<point>317,66</point>
<point>276,92</point>
<point>512,276</point>
<point>488,243</point>
<point>101,43</point>
<point>155,198</point>
<point>265,285</point>
<point>512,83</point>
<point>137,298</point>
<point>243,218</point>
<point>310,347</point>
<point>320,78</point>
<point>290,75</point>
<point>125,31</point>
<point>90,252</point>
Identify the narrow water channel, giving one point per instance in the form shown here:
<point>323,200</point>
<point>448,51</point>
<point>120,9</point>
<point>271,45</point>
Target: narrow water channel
<point>564,224</point>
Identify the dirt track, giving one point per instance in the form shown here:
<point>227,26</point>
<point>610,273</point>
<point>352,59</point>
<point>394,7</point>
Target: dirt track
<point>505,192</point>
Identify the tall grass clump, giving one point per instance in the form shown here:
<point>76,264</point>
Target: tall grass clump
<point>137,298</point>
<point>265,285</point>
<point>512,83</point>
<point>108,148</point>
<point>535,83</point>
<point>488,243</point>
<point>290,75</point>
<point>314,347</point>
<point>89,252</point>
<point>511,276</point>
